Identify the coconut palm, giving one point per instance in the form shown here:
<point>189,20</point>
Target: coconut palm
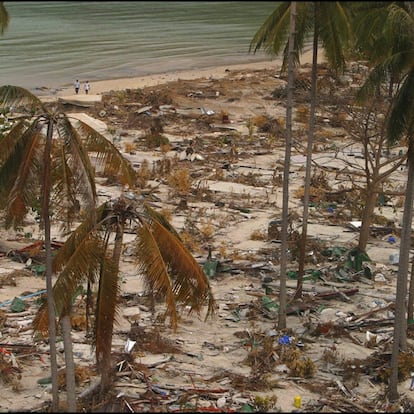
<point>93,253</point>
<point>378,38</point>
<point>394,37</point>
<point>288,148</point>
<point>45,166</point>
<point>329,24</point>
<point>4,18</point>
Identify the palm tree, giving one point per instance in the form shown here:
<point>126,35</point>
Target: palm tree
<point>167,266</point>
<point>4,18</point>
<point>394,37</point>
<point>329,24</point>
<point>45,157</point>
<point>376,38</point>
<point>286,169</point>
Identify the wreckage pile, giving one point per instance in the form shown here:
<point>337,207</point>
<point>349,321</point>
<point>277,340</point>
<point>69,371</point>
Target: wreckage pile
<point>209,153</point>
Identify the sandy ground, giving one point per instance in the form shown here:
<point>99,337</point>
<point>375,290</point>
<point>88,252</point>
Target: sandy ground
<point>99,87</point>
<point>214,354</point>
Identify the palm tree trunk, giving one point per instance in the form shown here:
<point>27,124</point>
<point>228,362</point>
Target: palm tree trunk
<point>286,170</point>
<point>400,320</point>
<point>70,364</point>
<point>89,306</point>
<point>49,285</point>
<point>305,216</point>
<point>106,363</point>
<point>410,306</point>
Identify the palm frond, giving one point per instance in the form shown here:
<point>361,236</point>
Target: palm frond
<point>23,165</point>
<point>401,117</point>
<point>80,258</point>
<point>107,307</point>
<point>382,29</point>
<point>108,156</point>
<point>304,27</point>
<point>376,76</point>
<point>398,65</point>
<point>368,23</point>
<point>334,32</point>
<point>330,22</point>
<point>74,177</point>
<point>191,285</point>
<point>155,215</point>
<point>65,189</point>
<point>84,262</point>
<point>401,17</point>
<point>151,265</point>
<point>16,96</point>
<point>12,151</point>
<point>11,140</point>
<point>90,224</point>
<point>272,35</point>
<point>40,321</point>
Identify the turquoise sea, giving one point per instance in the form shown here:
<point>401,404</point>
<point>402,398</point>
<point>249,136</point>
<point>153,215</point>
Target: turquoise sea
<point>51,43</point>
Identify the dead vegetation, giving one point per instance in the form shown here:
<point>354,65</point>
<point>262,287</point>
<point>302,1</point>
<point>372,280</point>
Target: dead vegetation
<point>209,152</point>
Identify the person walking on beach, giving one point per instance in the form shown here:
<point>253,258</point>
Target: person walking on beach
<point>86,87</point>
<point>77,86</point>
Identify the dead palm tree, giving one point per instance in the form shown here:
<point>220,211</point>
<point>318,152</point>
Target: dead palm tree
<point>45,165</point>
<point>92,254</point>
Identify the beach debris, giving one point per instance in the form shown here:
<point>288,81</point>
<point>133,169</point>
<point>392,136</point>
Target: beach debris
<point>205,111</point>
<point>30,295</point>
<point>145,110</point>
<point>7,280</point>
<point>340,310</point>
<point>33,251</point>
<point>10,372</point>
<point>225,117</point>
<point>82,102</point>
<point>17,305</point>
<point>394,258</point>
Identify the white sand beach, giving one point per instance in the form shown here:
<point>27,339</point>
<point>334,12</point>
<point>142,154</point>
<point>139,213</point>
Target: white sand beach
<point>99,87</point>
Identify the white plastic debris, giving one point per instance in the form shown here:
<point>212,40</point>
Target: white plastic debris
<point>379,277</point>
<point>394,258</point>
<point>129,345</point>
<point>221,402</point>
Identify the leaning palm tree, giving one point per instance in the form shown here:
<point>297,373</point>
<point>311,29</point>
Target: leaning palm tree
<point>45,166</point>
<point>329,24</point>
<point>395,39</point>
<point>93,253</point>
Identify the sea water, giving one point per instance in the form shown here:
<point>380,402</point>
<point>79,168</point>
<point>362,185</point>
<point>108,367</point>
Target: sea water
<point>52,43</point>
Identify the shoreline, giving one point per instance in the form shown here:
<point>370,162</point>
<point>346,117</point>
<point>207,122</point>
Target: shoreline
<point>219,71</point>
<point>107,85</point>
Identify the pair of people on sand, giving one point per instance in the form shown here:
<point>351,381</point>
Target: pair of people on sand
<point>86,87</point>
